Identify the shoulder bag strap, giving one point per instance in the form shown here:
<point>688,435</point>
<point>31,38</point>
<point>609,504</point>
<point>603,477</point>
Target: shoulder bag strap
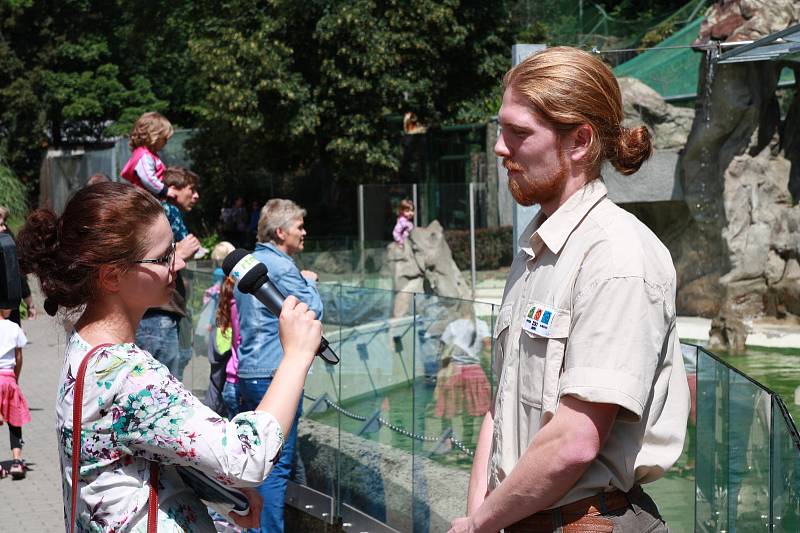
<point>77,410</point>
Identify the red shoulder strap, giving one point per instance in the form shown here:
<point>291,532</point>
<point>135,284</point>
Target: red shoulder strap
<point>77,411</point>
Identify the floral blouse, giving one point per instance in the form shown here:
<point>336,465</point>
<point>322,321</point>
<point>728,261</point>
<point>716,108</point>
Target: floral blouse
<point>134,411</point>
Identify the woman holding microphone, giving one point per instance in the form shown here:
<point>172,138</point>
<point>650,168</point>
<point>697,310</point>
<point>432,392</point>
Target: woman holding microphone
<point>112,254</point>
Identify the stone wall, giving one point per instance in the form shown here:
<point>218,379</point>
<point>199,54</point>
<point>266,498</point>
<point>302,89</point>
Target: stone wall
<point>740,245</point>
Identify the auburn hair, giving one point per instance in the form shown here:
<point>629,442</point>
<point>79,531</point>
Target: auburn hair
<point>103,224</point>
<point>224,319</point>
<point>569,87</point>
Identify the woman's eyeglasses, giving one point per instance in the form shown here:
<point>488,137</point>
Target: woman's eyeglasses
<point>168,259</point>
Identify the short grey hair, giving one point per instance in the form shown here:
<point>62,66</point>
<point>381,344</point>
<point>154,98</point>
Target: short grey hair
<point>277,213</point>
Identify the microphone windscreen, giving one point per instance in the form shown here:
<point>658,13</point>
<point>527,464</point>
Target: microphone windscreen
<point>254,278</point>
<point>231,260</point>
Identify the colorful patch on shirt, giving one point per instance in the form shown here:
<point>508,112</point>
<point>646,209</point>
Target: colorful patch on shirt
<point>538,320</point>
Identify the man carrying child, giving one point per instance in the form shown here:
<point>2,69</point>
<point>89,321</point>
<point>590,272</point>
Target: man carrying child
<point>162,328</point>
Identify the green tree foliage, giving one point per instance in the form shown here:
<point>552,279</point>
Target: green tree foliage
<point>60,81</point>
<point>13,195</point>
<point>317,82</point>
<point>317,88</point>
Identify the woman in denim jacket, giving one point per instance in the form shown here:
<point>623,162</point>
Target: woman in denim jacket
<point>281,234</point>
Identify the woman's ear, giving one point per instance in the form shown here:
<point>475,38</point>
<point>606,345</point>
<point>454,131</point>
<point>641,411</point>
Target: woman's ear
<point>109,278</point>
<point>280,233</point>
<point>581,140</point>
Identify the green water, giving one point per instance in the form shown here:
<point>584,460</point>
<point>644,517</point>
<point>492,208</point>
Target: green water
<point>413,409</point>
<point>776,369</point>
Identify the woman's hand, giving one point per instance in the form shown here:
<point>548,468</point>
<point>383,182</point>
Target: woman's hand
<point>299,330</point>
<point>253,517</point>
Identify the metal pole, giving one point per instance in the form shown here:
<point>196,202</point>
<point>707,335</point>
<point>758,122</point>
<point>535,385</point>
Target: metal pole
<point>472,235</point>
<point>361,231</point>
<point>416,205</point>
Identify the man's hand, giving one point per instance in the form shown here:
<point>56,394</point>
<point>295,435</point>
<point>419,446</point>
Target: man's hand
<point>309,275</point>
<point>253,517</point>
<point>463,525</point>
<point>187,247</point>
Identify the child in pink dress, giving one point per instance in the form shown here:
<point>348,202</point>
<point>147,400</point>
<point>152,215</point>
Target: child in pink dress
<point>405,221</point>
<point>13,407</point>
<point>144,169</point>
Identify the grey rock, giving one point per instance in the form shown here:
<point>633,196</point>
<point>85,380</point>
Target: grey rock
<point>776,267</point>
<point>425,262</point>
<point>380,479</point>
<point>329,263</point>
<point>670,125</point>
<point>744,20</point>
<point>728,333</point>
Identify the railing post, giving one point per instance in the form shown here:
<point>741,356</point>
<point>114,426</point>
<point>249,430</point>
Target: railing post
<point>361,231</point>
<point>472,236</point>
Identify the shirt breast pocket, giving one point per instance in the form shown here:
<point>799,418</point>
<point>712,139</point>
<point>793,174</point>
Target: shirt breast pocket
<point>541,359</point>
<point>500,338</point>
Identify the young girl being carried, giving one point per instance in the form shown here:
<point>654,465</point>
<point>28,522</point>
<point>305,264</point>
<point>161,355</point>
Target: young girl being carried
<point>13,407</point>
<point>112,252</point>
<point>144,169</point>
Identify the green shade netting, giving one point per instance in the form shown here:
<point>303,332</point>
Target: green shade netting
<point>674,72</point>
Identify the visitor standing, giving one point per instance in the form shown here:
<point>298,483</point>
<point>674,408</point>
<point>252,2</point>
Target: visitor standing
<point>25,289</point>
<point>13,406</point>
<point>281,235</point>
<point>163,329</point>
<point>112,253</point>
<point>592,399</point>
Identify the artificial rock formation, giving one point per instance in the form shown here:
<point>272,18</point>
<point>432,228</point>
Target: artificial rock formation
<point>735,172</point>
<point>425,264</point>
<point>641,104</point>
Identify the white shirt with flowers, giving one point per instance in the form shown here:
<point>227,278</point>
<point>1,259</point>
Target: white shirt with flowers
<point>135,411</point>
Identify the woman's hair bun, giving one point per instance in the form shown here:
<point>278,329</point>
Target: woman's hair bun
<point>50,307</point>
<point>634,146</point>
<point>37,243</point>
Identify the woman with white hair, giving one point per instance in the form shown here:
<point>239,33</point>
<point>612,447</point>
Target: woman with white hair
<point>281,235</point>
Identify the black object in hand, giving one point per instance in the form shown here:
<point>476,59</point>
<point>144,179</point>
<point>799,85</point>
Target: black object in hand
<point>252,277</point>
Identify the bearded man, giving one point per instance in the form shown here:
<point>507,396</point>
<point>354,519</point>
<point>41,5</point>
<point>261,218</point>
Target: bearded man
<point>592,398</point>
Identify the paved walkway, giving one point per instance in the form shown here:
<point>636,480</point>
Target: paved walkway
<point>34,504</point>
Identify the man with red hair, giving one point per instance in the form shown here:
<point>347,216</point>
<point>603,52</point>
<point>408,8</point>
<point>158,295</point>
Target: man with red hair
<point>592,398</point>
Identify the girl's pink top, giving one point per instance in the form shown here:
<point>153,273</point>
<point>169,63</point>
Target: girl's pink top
<point>401,229</point>
<point>144,169</point>
<point>232,368</point>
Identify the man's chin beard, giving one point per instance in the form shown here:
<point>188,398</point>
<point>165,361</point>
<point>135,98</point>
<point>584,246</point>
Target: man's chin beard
<point>526,192</point>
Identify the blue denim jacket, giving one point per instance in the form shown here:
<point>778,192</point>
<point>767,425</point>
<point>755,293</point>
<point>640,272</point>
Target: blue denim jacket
<point>261,352</point>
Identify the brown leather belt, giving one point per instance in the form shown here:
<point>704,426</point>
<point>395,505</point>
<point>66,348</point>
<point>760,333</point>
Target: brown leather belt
<point>583,516</point>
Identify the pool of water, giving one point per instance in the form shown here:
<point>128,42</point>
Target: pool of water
<point>777,369</point>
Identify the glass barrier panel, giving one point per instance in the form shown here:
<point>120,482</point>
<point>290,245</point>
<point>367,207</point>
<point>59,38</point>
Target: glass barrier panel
<point>451,396</point>
<point>318,430</point>
<point>375,345</point>
<point>733,450</point>
<point>674,492</point>
<point>195,332</point>
<point>785,471</point>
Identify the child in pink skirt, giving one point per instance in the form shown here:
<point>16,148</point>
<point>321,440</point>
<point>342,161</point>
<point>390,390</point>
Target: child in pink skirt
<point>13,407</point>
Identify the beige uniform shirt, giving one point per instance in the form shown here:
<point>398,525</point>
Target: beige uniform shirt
<point>589,311</point>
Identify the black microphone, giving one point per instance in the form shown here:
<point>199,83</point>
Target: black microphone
<point>251,277</point>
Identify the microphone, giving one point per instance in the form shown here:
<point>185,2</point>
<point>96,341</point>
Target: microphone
<point>251,277</point>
